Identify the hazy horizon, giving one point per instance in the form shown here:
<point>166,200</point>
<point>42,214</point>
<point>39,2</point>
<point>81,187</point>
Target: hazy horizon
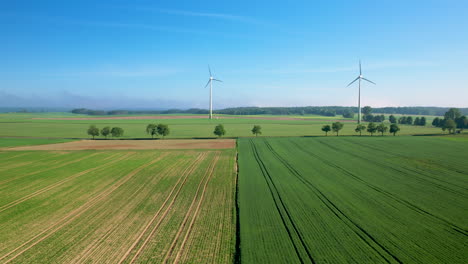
<point>127,54</point>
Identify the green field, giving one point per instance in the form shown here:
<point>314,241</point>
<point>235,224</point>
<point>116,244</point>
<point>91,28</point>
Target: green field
<point>117,206</point>
<point>317,199</point>
<point>353,200</point>
<point>22,125</point>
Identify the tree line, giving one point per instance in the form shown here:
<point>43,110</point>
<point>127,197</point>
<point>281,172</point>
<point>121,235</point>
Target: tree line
<point>105,131</point>
<point>371,128</point>
<point>346,111</point>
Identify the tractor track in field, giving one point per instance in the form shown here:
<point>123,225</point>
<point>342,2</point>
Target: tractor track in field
<point>335,210</point>
<point>208,176</point>
<point>35,162</point>
<point>89,250</point>
<point>399,156</point>
<point>14,166</point>
<point>423,176</point>
<point>52,186</point>
<point>386,193</point>
<point>50,168</point>
<point>278,201</point>
<point>177,188</point>
<point>13,157</point>
<point>67,218</point>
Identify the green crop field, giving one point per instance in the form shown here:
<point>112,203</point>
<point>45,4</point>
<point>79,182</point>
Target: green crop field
<point>23,125</point>
<point>353,200</point>
<point>117,206</point>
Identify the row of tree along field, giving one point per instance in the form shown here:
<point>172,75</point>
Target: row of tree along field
<point>453,122</point>
<point>105,131</point>
<point>371,128</point>
<point>347,112</point>
<point>156,130</point>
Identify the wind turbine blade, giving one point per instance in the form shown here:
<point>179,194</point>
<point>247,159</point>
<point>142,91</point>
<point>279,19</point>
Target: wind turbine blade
<point>368,80</point>
<point>217,80</point>
<point>207,83</point>
<point>209,69</point>
<point>360,71</point>
<point>353,81</point>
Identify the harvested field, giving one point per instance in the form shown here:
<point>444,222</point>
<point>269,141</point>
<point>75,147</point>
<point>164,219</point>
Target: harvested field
<point>134,144</point>
<point>118,207</point>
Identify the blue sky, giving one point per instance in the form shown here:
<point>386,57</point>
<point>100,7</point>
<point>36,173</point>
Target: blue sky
<point>111,54</point>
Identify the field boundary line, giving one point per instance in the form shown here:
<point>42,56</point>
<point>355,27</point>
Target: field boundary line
<point>208,172</point>
<point>177,187</point>
<point>52,186</point>
<point>72,215</point>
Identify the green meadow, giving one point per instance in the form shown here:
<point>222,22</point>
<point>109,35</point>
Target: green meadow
<point>23,125</point>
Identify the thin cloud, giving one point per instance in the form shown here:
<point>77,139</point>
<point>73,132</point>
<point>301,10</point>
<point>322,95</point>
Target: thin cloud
<point>221,16</point>
<point>118,72</point>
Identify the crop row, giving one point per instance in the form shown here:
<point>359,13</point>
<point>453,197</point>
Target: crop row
<point>117,207</point>
<point>352,200</point>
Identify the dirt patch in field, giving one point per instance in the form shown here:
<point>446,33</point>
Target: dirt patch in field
<point>135,144</point>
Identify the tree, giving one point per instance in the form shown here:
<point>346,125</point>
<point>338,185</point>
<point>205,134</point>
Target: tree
<point>105,131</point>
<point>326,129</point>
<point>462,122</point>
<point>368,118</point>
<point>348,114</point>
<point>392,119</point>
<point>402,120</point>
<point>450,125</point>
<point>409,120</point>
<point>452,113</point>
<point>117,131</point>
<point>422,121</point>
<point>394,129</point>
<point>366,110</point>
<point>382,128</point>
<point>360,128</point>
<point>371,128</point>
<point>336,127</point>
<point>93,131</point>
<point>152,129</point>
<point>436,122</point>
<point>163,130</point>
<point>416,121</point>
<point>257,130</point>
<point>219,130</point>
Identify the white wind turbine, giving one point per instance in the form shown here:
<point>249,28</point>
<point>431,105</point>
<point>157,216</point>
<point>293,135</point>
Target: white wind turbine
<point>360,77</point>
<point>210,82</point>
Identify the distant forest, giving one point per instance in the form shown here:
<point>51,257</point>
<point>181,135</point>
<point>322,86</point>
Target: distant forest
<point>306,110</point>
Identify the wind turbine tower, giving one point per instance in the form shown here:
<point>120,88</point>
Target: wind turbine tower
<point>360,77</point>
<point>210,82</point>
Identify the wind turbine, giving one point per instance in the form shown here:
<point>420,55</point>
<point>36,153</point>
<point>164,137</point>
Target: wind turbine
<point>210,82</point>
<point>360,77</point>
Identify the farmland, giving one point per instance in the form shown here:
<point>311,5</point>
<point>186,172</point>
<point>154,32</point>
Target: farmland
<point>38,125</point>
<point>114,206</point>
<point>309,199</point>
<point>353,200</point>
